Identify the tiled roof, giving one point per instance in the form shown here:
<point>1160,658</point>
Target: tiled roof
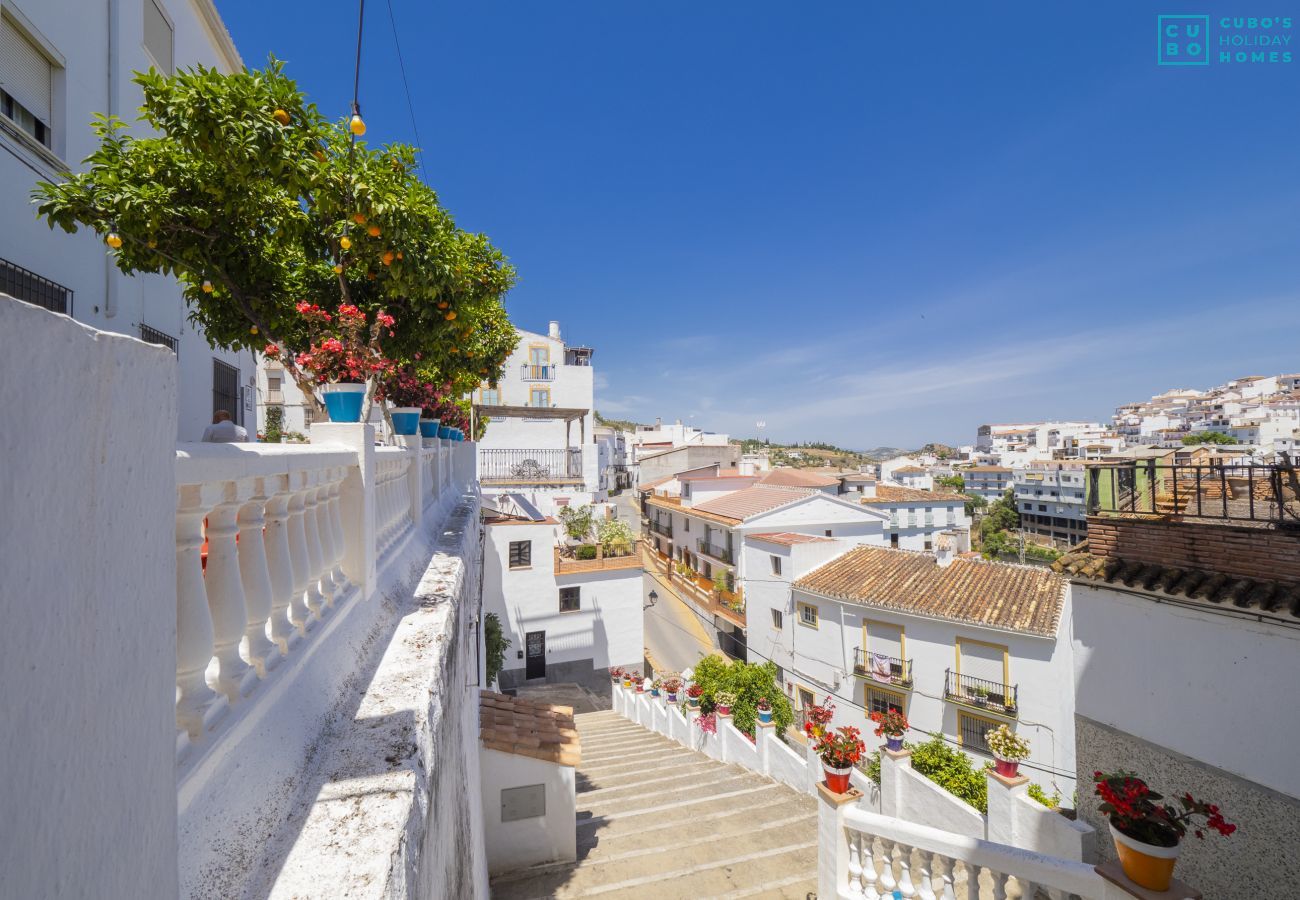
<point>1000,595</point>
<point>525,728</point>
<point>1275,597</point>
<point>790,538</point>
<point>910,470</point>
<point>651,485</point>
<point>888,493</point>
<point>750,501</point>
<point>785,477</point>
<point>984,469</point>
<point>674,504</point>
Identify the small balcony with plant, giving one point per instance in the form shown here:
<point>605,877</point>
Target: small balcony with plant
<point>981,693</point>
<point>882,668</point>
<point>716,551</point>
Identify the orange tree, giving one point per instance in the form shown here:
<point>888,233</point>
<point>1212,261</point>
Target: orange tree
<point>257,203</point>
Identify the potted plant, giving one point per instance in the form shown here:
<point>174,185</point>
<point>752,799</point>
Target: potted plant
<point>816,717</point>
<point>408,394</point>
<point>655,686</point>
<point>671,687</point>
<point>839,751</point>
<point>893,725</point>
<point>764,707</point>
<point>1149,833</point>
<point>343,354</point>
<point>639,682</point>
<point>616,674</point>
<point>723,701</point>
<point>693,696</point>
<point>979,696</point>
<point>627,678</point>
<point>1008,749</point>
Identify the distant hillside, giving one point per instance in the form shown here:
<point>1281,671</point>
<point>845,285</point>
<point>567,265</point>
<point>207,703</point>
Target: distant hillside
<point>813,454</point>
<point>620,424</point>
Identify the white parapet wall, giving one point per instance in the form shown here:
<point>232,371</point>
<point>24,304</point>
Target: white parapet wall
<point>87,652</point>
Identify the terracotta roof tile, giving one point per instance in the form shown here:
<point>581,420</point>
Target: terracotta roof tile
<point>674,504</point>
<point>1000,595</point>
<point>790,538</point>
<point>525,728</point>
<point>984,469</point>
<point>750,501</point>
<point>888,493</point>
<point>786,477</point>
<point>724,473</point>
<point>910,470</point>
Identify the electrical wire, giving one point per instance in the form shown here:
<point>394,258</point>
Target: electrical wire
<point>1025,764</point>
<point>406,85</point>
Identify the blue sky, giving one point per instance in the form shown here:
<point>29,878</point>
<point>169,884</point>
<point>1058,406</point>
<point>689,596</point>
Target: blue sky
<point>865,223</point>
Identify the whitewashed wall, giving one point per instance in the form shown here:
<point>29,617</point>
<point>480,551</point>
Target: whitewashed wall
<point>77,34</point>
<point>88,663</point>
<point>526,842</point>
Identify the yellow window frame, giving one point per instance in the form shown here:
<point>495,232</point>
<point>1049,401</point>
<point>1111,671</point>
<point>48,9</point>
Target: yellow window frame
<point>816,614</point>
<point>1006,656</point>
<point>991,723</point>
<point>896,699</point>
<point>880,623</point>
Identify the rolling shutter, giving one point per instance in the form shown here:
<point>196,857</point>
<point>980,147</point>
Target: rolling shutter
<point>980,661</point>
<point>25,73</point>
<point>886,639</point>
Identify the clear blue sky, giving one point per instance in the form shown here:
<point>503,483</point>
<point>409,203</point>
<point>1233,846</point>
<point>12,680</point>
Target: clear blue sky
<point>862,222</point>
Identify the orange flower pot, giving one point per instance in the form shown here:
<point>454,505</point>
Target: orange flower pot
<point>1145,864</point>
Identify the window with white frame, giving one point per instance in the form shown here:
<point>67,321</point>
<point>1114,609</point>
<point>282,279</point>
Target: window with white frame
<point>776,565</point>
<point>521,554</point>
<point>570,599</point>
<point>26,84</point>
<point>158,35</point>
<point>808,615</point>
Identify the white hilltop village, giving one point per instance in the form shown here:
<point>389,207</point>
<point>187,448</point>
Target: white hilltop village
<point>494,646</point>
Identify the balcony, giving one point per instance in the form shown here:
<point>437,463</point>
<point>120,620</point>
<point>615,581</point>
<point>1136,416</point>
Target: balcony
<point>1242,494</point>
<point>508,466</point>
<point>665,529</point>
<point>531,372</point>
<point>567,563</point>
<point>981,694</point>
<point>721,554</point>
<point>900,670</point>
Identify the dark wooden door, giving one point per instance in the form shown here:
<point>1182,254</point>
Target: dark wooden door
<point>535,657</point>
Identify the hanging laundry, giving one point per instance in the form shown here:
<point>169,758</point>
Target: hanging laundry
<point>881,669</point>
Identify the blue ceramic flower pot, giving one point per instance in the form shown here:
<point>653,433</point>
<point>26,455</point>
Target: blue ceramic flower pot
<point>343,401</point>
<point>765,716</point>
<point>894,742</point>
<point>428,428</point>
<point>406,419</point>
<point>444,432</point>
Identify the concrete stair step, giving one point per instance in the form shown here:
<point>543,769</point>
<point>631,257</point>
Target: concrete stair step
<point>658,813</point>
<point>602,847</point>
<point>706,784</point>
<point>649,780</point>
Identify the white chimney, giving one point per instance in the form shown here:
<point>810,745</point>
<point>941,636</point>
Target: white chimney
<point>949,544</point>
<point>554,331</point>
<point>868,488</point>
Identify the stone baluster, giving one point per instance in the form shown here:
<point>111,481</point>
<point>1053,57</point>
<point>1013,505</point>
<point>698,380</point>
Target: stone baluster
<point>925,875</point>
<point>905,886</point>
<point>945,867</point>
<point>855,863</point>
<point>887,880</point>
<point>193,619</point>
<point>279,560</point>
<point>336,527</point>
<point>326,537</point>
<point>869,867</point>
<point>257,648</point>
<point>225,590</point>
<point>299,611</point>
<point>316,598</point>
<point>999,884</point>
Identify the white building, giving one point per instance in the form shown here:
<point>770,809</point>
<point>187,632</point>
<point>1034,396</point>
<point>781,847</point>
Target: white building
<point>1050,497</point>
<point>541,434</point>
<point>916,517</point>
<point>989,482</point>
<point>960,645</point>
<point>656,438</point>
<point>61,62</point>
<point>567,619</point>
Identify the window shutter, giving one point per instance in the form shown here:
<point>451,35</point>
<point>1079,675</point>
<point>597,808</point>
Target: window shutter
<point>981,662</point>
<point>25,73</point>
<point>886,639</point>
<point>158,35</point>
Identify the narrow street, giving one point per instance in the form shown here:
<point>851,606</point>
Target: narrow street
<point>674,635</point>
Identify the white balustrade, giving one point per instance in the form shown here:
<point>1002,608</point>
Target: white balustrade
<point>887,857</point>
<point>275,542</point>
<point>392,511</point>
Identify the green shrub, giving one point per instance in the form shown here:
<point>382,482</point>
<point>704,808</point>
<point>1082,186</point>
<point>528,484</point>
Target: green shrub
<point>1036,791</point>
<point>585,551</point>
<point>747,682</point>
<point>274,424</point>
<point>495,644</point>
<point>951,769</point>
<point>872,768</point>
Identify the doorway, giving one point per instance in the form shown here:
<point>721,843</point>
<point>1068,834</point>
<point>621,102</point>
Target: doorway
<point>535,656</point>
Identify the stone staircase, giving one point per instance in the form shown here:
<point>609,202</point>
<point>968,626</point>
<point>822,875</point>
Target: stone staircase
<point>658,820</point>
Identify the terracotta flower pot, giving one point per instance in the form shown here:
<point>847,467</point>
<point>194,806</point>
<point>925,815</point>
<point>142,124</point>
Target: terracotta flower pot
<point>1007,768</point>
<point>837,779</point>
<point>1145,864</point>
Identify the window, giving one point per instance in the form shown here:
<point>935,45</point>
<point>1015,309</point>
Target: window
<point>881,701</point>
<point>929,544</point>
<point>569,599</point>
<point>274,392</point>
<point>777,619</point>
<point>307,415</point>
<point>828,532</point>
<point>521,554</point>
<point>489,396</point>
<point>686,525</point>
<point>158,35</point>
<point>154,336</point>
<point>686,489</point>
<point>977,659</point>
<point>26,84</point>
<point>539,355</point>
<point>808,614</point>
<point>225,390</point>
<point>776,565</point>
<point>893,541</point>
<point>539,397</point>
<point>971,732</point>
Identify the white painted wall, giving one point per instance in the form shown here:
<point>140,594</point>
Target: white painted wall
<point>87,654</point>
<point>1155,670</point>
<point>78,36</point>
<point>526,842</point>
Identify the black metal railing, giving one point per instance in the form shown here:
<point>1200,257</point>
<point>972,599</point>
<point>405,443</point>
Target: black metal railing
<point>868,666</point>
<point>23,284</point>
<point>162,338</point>
<point>664,528</point>
<point>529,466</point>
<point>538,373</point>
<point>717,552</point>
<point>1239,492</point>
<point>981,693</point>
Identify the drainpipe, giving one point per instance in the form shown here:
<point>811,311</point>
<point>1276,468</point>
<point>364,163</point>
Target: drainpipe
<point>111,280</point>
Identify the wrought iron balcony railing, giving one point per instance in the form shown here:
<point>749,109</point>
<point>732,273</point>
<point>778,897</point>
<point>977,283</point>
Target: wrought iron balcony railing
<point>663,528</point>
<point>538,373</point>
<point>866,665</point>
<point>722,554</point>
<point>530,466</point>
<point>1213,490</point>
<point>981,693</point>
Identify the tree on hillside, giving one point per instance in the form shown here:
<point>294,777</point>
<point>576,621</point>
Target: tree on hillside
<point>1208,437</point>
<point>1001,518</point>
<point>258,204</point>
<point>952,482</point>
